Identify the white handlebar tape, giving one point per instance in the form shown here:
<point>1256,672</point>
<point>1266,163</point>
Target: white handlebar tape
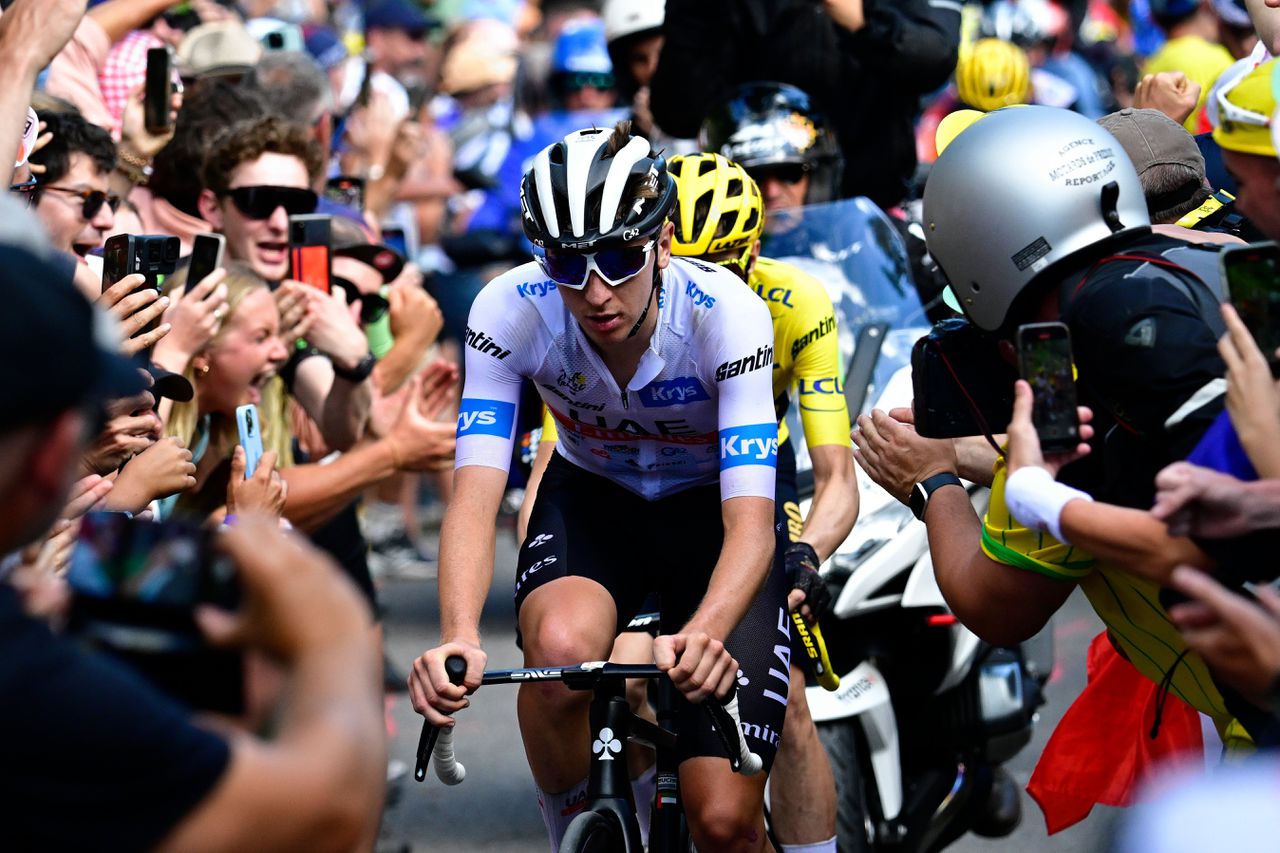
<point>751,763</point>
<point>448,768</point>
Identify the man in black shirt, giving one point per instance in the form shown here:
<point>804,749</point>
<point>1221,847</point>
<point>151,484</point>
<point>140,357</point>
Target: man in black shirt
<point>94,758</point>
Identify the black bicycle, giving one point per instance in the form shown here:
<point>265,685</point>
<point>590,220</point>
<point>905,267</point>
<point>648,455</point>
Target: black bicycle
<point>608,822</point>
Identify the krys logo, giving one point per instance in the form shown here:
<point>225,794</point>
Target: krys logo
<point>673,392</point>
<point>535,288</point>
<point>486,417</point>
<point>754,444</point>
<point>698,296</point>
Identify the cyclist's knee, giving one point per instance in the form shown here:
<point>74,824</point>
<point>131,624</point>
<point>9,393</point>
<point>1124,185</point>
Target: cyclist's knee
<point>726,823</point>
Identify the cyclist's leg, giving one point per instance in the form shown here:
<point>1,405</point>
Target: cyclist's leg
<point>725,810</point>
<point>635,645</point>
<point>802,791</point>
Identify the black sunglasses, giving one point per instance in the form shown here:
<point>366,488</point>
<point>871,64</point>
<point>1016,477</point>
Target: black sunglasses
<point>26,189</point>
<point>788,173</point>
<point>261,202</point>
<point>373,306</point>
<point>93,200</point>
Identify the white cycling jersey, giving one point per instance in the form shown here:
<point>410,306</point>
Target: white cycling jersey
<point>699,407</point>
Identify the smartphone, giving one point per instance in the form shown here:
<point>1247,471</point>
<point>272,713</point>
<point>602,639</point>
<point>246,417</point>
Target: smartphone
<point>158,94</point>
<point>206,256</point>
<point>310,259</point>
<point>394,238</point>
<point>1044,359</point>
<point>1253,283</point>
<point>346,189</point>
<point>135,586</point>
<point>250,426</point>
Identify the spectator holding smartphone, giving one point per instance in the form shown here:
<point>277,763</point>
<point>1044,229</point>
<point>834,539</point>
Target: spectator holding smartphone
<point>146,775</point>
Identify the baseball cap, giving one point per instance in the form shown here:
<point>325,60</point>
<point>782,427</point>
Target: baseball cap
<point>351,240</point>
<point>325,46</point>
<point>397,15</point>
<point>1233,13</point>
<point>165,383</point>
<point>1151,138</point>
<point>57,351</point>
<point>1244,110</point>
<point>217,49</point>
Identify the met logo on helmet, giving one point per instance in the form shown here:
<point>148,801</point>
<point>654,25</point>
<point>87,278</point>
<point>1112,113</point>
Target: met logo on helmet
<point>753,444</point>
<point>485,417</point>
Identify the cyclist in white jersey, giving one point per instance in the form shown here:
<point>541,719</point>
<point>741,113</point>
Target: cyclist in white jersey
<point>658,372</point>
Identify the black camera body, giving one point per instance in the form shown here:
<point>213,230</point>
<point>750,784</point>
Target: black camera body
<point>962,385</point>
<point>153,255</point>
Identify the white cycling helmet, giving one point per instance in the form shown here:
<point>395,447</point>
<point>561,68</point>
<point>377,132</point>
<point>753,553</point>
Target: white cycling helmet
<point>623,18</point>
<point>1020,190</point>
<point>580,196</point>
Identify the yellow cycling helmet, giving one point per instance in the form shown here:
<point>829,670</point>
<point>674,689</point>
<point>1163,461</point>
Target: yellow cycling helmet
<point>718,205</point>
<point>992,74</point>
<point>1245,109</point>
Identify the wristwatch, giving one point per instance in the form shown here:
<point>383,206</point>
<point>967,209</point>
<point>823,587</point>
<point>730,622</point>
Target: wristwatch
<point>359,373</point>
<point>922,491</point>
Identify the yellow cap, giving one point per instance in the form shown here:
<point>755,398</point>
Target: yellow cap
<point>1245,108</point>
<point>953,125</point>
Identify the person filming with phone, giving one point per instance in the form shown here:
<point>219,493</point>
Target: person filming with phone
<point>94,735</point>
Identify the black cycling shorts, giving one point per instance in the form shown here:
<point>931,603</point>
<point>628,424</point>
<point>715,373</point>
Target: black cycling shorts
<point>583,525</point>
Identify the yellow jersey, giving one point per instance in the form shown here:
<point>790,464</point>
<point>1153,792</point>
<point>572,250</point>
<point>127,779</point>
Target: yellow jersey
<point>1128,605</point>
<point>806,354</point>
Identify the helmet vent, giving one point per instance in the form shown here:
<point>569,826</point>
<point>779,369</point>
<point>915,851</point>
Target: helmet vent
<point>734,189</point>
<point>752,219</point>
<point>706,164</point>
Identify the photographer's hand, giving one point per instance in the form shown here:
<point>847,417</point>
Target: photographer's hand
<point>194,319</point>
<point>134,311</point>
<point>165,468</point>
<point>291,302</point>
<point>263,493</point>
<point>1023,449</point>
<point>1251,395</point>
<point>896,457</point>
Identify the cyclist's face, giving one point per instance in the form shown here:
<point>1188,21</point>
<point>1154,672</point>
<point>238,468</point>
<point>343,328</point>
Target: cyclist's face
<point>782,186</point>
<point>606,313</point>
<point>1257,193</point>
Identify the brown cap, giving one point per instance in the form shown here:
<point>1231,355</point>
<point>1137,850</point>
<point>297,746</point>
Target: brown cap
<point>1151,138</point>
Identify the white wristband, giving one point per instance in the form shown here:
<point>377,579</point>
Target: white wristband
<point>1036,500</point>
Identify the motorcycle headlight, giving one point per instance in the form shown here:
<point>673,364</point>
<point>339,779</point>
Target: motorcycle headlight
<point>871,533</point>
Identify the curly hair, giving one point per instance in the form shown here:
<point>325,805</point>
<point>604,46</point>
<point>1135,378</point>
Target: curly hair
<point>72,134</point>
<point>247,141</point>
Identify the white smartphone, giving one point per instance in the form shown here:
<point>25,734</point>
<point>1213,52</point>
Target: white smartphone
<point>250,427</point>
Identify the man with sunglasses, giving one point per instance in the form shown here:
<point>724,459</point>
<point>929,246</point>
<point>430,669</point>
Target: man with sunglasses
<point>657,371</point>
<point>72,197</point>
<point>256,175</point>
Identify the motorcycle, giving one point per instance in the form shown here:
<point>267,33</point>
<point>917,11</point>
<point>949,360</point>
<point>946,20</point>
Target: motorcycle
<point>925,712</point>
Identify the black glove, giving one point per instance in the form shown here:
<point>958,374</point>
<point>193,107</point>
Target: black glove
<point>801,563</point>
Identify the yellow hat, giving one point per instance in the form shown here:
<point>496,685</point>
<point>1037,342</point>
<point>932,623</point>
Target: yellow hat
<point>952,125</point>
<point>992,74</point>
<point>1245,107</point>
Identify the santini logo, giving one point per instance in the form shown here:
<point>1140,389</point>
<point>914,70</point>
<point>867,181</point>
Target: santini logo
<point>812,335</point>
<point>763,357</point>
<point>756,444</point>
<point>486,417</point>
<point>481,342</point>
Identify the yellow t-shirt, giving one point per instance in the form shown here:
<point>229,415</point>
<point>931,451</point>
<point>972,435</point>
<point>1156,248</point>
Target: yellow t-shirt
<point>806,354</point>
<point>1128,605</point>
<point>1202,61</point>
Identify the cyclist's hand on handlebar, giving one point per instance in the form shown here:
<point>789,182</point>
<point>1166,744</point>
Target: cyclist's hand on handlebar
<point>430,690</point>
<point>809,593</point>
<point>697,663</point>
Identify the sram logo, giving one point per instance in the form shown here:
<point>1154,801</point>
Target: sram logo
<point>485,417</point>
<point>754,444</point>
<point>762,357</point>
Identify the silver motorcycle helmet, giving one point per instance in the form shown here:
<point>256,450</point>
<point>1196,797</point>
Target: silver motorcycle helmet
<point>1018,191</point>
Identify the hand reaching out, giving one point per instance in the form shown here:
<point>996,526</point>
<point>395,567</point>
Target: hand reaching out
<point>194,318</point>
<point>1170,92</point>
<point>135,307</point>
<point>264,493</point>
<point>1024,443</point>
<point>1251,395</point>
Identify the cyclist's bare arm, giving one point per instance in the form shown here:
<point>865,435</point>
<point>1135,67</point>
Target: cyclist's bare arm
<point>1001,604</point>
<point>835,499</point>
<point>745,558</point>
<point>1130,538</point>
<point>466,573</point>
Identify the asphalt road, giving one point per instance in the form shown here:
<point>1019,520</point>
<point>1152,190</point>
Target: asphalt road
<point>495,808</point>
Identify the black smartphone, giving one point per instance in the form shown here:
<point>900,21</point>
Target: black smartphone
<point>158,94</point>
<point>206,256</point>
<point>1044,359</point>
<point>310,258</point>
<point>1253,283</point>
<point>346,189</point>
<point>135,587</point>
